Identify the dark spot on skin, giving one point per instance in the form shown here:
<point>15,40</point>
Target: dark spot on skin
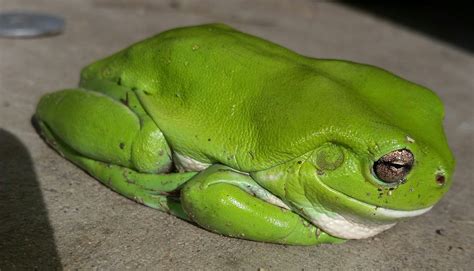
<point>368,194</point>
<point>419,196</point>
<point>146,92</point>
<point>251,155</point>
<point>402,181</point>
<point>391,188</point>
<point>379,189</point>
<point>208,139</point>
<point>6,104</point>
<point>299,162</point>
<point>122,145</point>
<point>440,232</point>
<point>127,179</point>
<point>440,179</point>
<point>450,247</point>
<point>119,81</point>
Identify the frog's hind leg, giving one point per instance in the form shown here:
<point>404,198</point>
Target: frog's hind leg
<point>104,137</point>
<point>233,204</point>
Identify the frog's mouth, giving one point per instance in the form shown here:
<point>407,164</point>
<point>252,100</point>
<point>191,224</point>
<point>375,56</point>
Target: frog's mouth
<point>352,218</point>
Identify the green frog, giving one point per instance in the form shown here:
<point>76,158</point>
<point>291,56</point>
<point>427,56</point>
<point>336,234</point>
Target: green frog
<point>251,140</point>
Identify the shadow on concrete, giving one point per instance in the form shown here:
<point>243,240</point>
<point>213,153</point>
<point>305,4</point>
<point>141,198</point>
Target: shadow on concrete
<point>452,23</point>
<point>26,237</point>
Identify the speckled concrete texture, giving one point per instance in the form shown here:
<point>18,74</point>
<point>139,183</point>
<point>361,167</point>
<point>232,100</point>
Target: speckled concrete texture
<point>55,216</point>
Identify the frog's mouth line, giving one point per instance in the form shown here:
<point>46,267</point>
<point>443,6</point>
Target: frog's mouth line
<point>357,227</point>
<point>393,213</point>
<point>382,211</point>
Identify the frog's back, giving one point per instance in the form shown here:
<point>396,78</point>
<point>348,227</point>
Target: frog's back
<point>220,95</point>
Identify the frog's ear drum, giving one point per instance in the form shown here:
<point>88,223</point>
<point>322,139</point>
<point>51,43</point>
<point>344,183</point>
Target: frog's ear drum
<point>394,167</point>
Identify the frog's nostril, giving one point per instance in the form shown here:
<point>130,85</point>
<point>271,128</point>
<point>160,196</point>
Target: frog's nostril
<point>440,179</point>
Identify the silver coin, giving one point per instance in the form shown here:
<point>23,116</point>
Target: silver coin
<point>28,25</point>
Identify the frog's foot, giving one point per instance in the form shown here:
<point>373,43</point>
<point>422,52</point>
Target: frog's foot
<point>233,204</point>
<point>112,143</point>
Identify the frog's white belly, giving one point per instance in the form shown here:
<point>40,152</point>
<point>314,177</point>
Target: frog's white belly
<point>349,227</point>
<point>185,163</point>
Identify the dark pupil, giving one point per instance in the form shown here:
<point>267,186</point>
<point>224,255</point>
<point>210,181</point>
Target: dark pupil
<point>393,167</point>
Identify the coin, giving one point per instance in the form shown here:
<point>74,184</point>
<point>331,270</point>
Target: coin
<point>28,25</point>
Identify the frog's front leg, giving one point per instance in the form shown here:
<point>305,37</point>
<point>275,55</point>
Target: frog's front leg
<point>122,149</point>
<point>228,202</point>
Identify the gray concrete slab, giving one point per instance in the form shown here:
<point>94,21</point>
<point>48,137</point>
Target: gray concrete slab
<point>53,215</point>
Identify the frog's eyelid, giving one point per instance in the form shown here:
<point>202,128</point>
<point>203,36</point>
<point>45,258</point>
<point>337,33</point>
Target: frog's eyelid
<point>398,163</point>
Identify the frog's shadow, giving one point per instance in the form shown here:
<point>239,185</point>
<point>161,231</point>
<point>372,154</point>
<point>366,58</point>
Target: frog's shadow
<point>26,236</point>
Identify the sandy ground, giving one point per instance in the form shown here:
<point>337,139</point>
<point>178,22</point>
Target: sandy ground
<point>53,215</point>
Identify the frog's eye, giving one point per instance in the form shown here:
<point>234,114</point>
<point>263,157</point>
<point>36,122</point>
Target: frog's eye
<point>394,166</point>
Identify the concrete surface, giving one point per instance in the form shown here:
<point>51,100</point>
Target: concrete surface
<point>53,215</point>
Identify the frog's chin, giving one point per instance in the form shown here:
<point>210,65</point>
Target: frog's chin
<point>357,227</point>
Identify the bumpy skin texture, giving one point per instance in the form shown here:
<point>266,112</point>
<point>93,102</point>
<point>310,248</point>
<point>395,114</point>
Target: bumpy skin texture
<point>271,131</point>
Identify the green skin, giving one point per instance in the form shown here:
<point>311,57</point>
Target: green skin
<point>277,146</point>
